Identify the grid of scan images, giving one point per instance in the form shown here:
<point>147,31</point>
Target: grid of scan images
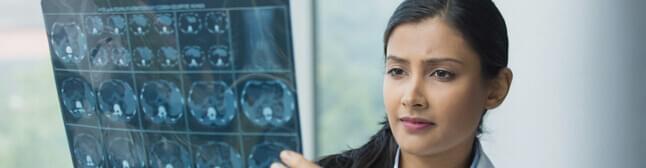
<point>206,84</point>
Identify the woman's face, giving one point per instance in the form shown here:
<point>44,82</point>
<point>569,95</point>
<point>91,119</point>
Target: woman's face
<point>433,90</point>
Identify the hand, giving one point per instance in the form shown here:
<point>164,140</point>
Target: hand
<point>293,159</point>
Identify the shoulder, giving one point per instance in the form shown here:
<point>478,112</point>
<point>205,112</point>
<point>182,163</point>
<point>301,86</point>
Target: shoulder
<point>359,158</point>
<point>378,152</point>
<point>335,160</point>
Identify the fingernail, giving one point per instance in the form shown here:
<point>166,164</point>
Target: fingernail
<point>277,165</point>
<point>286,154</point>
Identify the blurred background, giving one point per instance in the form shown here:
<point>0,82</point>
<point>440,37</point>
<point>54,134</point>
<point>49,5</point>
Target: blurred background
<point>577,99</point>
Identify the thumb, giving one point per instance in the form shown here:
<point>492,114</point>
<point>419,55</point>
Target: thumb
<point>296,160</point>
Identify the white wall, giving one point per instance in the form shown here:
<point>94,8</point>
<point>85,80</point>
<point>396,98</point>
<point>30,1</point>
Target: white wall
<point>577,98</point>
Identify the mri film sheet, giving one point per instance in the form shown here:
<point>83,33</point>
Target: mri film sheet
<point>174,84</point>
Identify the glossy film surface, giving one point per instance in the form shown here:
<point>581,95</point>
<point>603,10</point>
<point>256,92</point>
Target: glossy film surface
<point>174,84</point>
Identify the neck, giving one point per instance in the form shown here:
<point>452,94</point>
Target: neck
<point>459,156</point>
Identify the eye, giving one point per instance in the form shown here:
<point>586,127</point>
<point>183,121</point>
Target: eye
<point>443,75</point>
<point>396,72</point>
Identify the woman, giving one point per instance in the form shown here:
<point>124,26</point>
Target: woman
<point>446,65</point>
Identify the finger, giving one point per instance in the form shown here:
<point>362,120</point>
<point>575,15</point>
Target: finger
<point>277,165</point>
<point>293,159</point>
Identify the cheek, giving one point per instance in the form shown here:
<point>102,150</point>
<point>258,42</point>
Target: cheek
<point>391,97</point>
<point>388,94</point>
<point>458,106</point>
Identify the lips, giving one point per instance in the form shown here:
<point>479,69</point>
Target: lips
<point>414,124</point>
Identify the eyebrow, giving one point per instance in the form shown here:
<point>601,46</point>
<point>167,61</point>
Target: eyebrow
<point>434,61</point>
<point>430,61</point>
<point>395,59</point>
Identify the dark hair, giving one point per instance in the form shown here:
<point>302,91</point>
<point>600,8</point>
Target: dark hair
<point>483,28</point>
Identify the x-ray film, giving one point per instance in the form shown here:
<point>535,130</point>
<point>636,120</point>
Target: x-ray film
<point>174,83</point>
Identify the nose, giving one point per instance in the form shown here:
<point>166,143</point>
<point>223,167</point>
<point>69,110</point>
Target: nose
<point>414,98</point>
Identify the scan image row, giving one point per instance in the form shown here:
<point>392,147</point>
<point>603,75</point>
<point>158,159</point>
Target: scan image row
<point>92,148</point>
<point>161,103</point>
<point>252,39</point>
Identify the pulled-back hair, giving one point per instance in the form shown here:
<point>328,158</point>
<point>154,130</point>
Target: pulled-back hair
<point>481,26</point>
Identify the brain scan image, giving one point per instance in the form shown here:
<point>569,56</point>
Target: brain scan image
<point>143,56</point>
<point>121,57</point>
<point>168,154</point>
<point>264,154</point>
<point>94,25</point>
<point>164,24</point>
<point>100,55</point>
<point>217,154</point>
<point>168,56</point>
<point>217,22</point>
<point>162,102</point>
<point>219,56</point>
<point>116,24</point>
<point>123,153</point>
<point>267,102</point>
<point>78,97</point>
<point>139,24</point>
<point>87,151</point>
<point>68,42</point>
<point>190,23</point>
<point>193,56</point>
<point>117,100</point>
<point>212,103</point>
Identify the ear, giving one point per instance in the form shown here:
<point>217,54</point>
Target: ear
<point>498,88</point>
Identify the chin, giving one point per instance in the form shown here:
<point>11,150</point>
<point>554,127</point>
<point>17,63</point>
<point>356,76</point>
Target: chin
<point>418,145</point>
<point>419,149</point>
